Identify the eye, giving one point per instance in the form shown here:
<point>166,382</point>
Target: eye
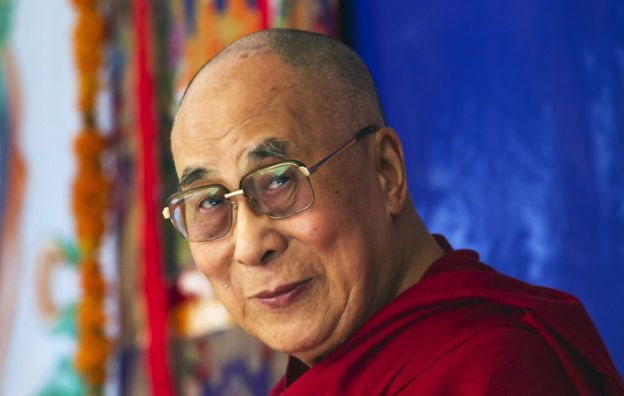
<point>279,181</point>
<point>210,202</point>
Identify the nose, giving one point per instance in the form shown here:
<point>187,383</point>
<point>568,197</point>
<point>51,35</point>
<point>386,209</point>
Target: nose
<point>257,240</point>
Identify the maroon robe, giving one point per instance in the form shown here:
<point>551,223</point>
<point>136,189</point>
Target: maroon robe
<point>465,329</point>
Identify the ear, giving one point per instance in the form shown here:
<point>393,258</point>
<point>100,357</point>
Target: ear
<point>390,167</point>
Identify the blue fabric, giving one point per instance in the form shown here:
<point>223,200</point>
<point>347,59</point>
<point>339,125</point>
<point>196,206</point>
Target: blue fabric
<point>220,5</point>
<point>238,378</point>
<point>189,16</point>
<point>511,113</point>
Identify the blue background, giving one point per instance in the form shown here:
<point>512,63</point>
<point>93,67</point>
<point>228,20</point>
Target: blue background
<point>512,118</point>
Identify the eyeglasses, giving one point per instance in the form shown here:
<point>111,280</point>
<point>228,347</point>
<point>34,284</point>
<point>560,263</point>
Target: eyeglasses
<point>279,190</point>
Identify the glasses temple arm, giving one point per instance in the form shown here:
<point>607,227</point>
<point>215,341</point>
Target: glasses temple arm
<point>358,136</point>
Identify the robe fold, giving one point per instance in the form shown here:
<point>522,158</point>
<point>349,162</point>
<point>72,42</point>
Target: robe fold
<point>465,329</point>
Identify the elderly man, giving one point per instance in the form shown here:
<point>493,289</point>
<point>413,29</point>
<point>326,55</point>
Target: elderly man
<point>294,199</point>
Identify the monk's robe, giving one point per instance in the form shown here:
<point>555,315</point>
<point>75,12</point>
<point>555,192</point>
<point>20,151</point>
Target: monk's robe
<point>465,329</point>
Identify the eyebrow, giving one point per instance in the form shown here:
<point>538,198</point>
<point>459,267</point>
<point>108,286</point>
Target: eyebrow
<point>269,148</point>
<point>191,175</point>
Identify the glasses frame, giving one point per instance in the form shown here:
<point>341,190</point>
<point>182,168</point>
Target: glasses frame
<point>173,199</point>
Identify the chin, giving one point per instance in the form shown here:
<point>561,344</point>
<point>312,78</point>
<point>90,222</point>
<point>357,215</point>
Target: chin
<point>291,344</point>
<point>296,342</point>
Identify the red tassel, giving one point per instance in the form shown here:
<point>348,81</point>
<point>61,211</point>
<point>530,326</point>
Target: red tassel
<point>263,5</point>
<point>153,280</point>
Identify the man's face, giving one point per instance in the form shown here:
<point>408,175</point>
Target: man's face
<point>301,284</point>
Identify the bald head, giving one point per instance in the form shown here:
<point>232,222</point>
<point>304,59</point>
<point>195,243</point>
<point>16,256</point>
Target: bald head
<point>271,100</point>
<point>322,65</point>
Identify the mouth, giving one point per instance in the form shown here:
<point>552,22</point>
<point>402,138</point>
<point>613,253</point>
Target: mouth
<point>282,296</point>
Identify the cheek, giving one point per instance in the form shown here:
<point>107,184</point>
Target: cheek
<point>329,230</point>
<point>317,227</point>
<point>211,258</point>
<point>344,225</point>
<point>334,216</point>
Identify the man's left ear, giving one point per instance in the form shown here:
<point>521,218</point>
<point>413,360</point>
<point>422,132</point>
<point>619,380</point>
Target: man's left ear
<point>390,166</point>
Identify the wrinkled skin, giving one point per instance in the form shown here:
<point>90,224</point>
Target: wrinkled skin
<point>344,246</point>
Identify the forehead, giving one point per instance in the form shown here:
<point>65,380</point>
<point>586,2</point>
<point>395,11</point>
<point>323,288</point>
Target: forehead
<point>235,105</point>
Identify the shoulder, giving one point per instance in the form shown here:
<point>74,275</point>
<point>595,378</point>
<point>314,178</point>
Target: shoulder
<point>504,359</point>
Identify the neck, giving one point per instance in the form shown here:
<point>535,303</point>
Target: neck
<point>419,247</point>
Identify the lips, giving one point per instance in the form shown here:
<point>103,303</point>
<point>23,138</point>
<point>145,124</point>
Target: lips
<point>283,295</point>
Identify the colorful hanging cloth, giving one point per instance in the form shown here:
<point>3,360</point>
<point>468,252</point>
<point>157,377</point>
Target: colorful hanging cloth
<point>153,279</point>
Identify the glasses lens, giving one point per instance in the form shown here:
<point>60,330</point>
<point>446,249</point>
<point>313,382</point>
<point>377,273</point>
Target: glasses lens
<point>279,191</point>
<point>202,215</point>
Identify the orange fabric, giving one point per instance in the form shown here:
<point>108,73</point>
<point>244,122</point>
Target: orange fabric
<point>10,216</point>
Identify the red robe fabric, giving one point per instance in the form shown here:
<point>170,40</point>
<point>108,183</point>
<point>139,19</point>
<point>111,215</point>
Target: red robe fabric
<point>465,329</point>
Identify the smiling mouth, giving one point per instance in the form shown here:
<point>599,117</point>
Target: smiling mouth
<point>282,296</point>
